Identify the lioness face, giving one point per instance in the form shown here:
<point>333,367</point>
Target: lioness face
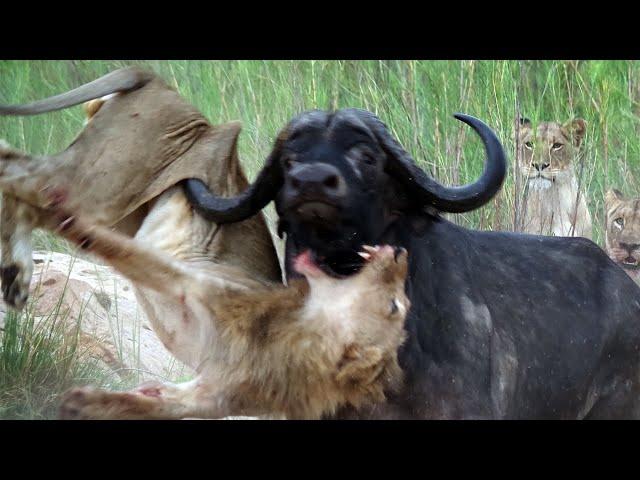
<point>623,231</point>
<point>374,298</point>
<point>383,279</point>
<point>547,152</point>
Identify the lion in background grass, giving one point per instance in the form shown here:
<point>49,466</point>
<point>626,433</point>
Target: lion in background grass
<point>554,199</point>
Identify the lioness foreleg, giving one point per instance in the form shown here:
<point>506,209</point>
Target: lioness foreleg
<point>146,267</point>
<point>17,221</point>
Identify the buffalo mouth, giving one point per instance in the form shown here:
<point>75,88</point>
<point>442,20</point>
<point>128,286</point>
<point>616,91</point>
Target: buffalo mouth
<point>320,212</point>
<point>329,233</point>
<point>305,264</point>
<point>338,265</point>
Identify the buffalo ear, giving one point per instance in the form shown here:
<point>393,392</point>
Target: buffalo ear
<point>613,197</point>
<point>576,129</point>
<point>245,204</point>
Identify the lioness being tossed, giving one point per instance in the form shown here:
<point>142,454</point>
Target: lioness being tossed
<point>554,201</point>
<point>301,351</point>
<point>622,237</point>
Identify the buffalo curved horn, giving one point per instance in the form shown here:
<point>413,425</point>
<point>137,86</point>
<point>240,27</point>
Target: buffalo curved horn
<point>121,80</point>
<point>246,204</point>
<point>400,166</point>
<point>262,190</point>
<point>430,192</point>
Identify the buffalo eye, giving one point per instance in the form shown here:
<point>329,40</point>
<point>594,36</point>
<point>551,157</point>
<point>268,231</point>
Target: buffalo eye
<point>619,222</point>
<point>557,146</point>
<point>288,163</point>
<point>363,153</point>
<point>529,145</point>
<point>368,158</point>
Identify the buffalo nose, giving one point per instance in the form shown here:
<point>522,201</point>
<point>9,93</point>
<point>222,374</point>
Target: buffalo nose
<point>320,178</point>
<point>540,166</point>
<point>630,247</point>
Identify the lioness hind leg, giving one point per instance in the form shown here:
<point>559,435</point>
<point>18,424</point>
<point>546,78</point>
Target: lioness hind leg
<point>42,185</point>
<point>89,403</point>
<point>151,400</point>
<point>17,221</point>
<point>147,267</point>
<point>36,179</point>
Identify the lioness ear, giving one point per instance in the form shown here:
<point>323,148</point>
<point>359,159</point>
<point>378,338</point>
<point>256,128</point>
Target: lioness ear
<point>92,106</point>
<point>520,125</point>
<point>612,196</point>
<point>576,129</point>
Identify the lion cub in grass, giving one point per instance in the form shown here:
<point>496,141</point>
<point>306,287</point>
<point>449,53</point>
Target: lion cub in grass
<point>554,200</point>
<point>300,351</point>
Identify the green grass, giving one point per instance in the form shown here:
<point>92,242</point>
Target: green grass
<point>40,358</point>
<point>416,99</point>
<point>39,362</point>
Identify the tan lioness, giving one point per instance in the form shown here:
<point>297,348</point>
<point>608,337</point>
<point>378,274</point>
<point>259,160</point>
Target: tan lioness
<point>124,169</point>
<point>622,231</point>
<point>554,200</point>
<point>301,351</point>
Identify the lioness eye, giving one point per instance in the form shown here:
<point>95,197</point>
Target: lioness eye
<point>619,222</point>
<point>557,146</point>
<point>529,145</point>
<point>394,306</point>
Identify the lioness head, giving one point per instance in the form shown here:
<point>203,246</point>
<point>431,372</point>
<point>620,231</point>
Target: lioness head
<point>376,292</point>
<point>370,308</point>
<point>623,231</point>
<point>547,151</point>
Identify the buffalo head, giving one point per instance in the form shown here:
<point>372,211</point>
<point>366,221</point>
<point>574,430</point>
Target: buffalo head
<point>340,180</point>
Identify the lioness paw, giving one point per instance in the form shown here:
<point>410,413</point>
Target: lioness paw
<point>84,403</point>
<point>15,280</point>
<point>76,403</point>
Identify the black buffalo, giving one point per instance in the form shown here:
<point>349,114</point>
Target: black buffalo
<point>502,325</point>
